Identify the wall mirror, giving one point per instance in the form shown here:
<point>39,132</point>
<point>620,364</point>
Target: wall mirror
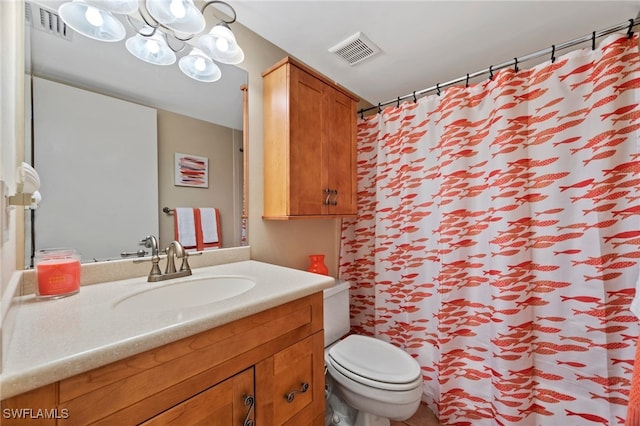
<point>189,117</point>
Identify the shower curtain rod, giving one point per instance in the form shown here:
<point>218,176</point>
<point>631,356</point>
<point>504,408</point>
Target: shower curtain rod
<point>515,61</point>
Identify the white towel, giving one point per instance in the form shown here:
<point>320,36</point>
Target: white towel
<point>209,225</point>
<point>186,224</point>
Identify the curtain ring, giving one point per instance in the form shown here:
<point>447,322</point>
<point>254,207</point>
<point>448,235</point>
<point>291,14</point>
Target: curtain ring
<point>379,108</point>
<point>398,102</point>
<point>553,53</point>
<point>467,83</point>
<point>593,41</point>
<point>362,114</point>
<point>630,30</point>
<point>438,88</point>
<point>414,97</point>
<point>490,72</point>
<point>516,69</point>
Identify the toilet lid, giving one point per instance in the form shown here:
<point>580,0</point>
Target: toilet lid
<point>374,360</point>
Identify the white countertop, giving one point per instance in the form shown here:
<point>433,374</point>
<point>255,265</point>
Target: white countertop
<point>57,339</point>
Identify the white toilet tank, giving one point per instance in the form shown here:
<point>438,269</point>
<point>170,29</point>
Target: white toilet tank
<point>336,312</point>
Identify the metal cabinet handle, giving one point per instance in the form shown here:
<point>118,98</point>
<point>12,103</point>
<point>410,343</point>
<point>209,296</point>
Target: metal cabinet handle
<point>249,401</point>
<point>291,395</point>
<point>330,192</point>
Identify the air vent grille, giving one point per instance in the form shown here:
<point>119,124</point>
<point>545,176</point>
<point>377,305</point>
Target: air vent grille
<point>46,20</point>
<point>355,49</point>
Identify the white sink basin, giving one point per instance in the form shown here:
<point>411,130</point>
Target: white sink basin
<point>187,293</point>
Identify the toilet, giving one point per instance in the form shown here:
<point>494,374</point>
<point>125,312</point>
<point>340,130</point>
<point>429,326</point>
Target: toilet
<point>369,381</point>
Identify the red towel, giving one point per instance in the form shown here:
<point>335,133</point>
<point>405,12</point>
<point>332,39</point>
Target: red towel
<point>200,244</point>
<point>633,409</point>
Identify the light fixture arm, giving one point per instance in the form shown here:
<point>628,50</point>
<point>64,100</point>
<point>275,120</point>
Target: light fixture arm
<point>183,45</point>
<point>147,19</point>
<point>153,27</point>
<point>210,2</point>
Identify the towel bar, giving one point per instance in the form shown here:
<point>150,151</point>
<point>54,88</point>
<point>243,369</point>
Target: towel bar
<point>167,210</point>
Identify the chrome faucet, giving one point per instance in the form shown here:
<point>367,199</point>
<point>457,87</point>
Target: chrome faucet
<point>151,242</point>
<point>174,251</point>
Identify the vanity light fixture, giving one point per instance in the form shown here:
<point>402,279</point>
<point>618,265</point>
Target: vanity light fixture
<point>160,25</point>
<point>91,21</point>
<point>152,49</point>
<point>199,67</point>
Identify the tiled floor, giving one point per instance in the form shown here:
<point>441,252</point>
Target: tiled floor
<point>424,417</point>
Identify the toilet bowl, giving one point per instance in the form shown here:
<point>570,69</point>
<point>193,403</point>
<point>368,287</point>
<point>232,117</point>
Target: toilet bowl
<point>378,380</point>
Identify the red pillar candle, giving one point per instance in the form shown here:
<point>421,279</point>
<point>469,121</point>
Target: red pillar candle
<point>58,273</point>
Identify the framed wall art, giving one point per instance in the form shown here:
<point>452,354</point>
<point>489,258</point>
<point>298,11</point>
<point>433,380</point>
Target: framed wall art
<point>191,170</point>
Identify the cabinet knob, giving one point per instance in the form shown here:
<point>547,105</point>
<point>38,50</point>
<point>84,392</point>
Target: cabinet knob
<point>291,395</point>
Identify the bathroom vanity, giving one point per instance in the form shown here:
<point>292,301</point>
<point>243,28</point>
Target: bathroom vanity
<point>258,357</point>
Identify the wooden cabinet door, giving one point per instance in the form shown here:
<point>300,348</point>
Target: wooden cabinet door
<point>290,385</point>
<point>340,153</point>
<point>225,404</point>
<point>305,150</point>
<point>322,151</point>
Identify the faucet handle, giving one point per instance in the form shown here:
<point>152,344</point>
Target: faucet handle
<point>185,260</point>
<point>151,242</point>
<point>185,263</point>
<point>155,273</point>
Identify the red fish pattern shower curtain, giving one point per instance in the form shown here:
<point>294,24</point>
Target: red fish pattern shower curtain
<point>498,239</point>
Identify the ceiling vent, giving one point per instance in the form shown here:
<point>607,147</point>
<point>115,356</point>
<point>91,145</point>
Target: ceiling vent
<point>46,20</point>
<point>355,49</point>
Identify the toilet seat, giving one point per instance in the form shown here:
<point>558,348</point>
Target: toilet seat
<point>375,363</point>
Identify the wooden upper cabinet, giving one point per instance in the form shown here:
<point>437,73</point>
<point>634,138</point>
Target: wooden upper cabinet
<point>309,144</point>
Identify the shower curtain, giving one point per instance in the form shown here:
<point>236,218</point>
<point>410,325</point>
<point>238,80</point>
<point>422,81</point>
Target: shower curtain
<point>498,239</point>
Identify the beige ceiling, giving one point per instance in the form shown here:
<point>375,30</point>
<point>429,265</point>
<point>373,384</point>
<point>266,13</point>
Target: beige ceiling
<point>423,42</point>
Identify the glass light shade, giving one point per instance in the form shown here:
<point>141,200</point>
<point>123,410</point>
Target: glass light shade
<point>220,45</point>
<point>91,21</point>
<point>123,7</point>
<point>179,15</point>
<point>153,50</point>
<point>199,67</point>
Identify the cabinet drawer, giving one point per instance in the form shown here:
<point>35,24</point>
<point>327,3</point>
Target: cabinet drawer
<point>293,381</point>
